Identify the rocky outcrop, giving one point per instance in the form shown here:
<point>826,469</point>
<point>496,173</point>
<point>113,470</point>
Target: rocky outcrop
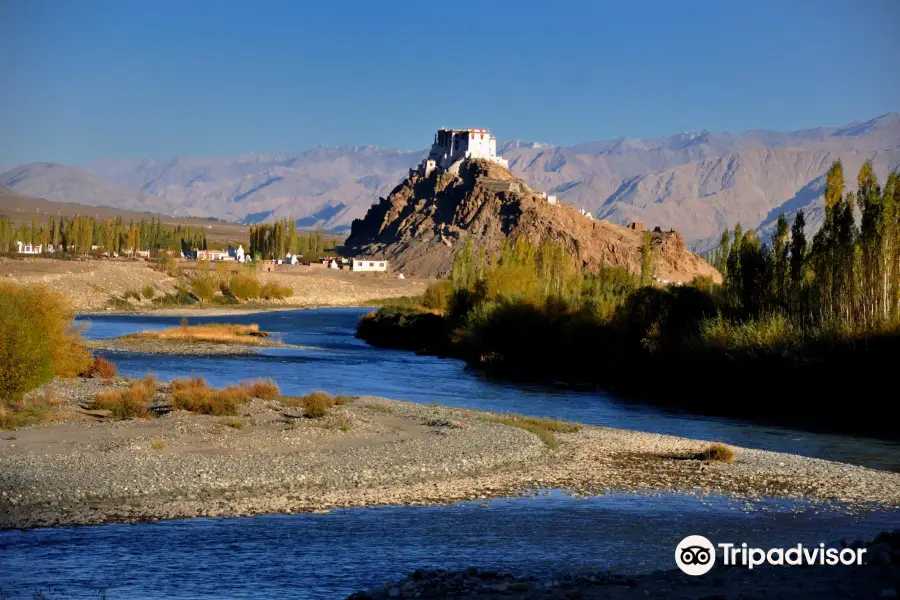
<point>425,220</point>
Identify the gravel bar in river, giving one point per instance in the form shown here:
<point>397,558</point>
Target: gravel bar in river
<point>270,458</point>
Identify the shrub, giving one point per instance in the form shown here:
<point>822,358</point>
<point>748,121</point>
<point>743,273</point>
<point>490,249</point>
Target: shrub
<point>28,410</point>
<point>37,341</point>
<point>315,404</point>
<point>100,367</point>
<point>233,423</point>
<point>168,265</point>
<point>265,389</point>
<point>244,287</point>
<point>196,396</point>
<point>129,403</point>
<point>405,329</point>
<point>131,294</point>
<point>717,452</point>
<point>437,295</point>
<point>148,292</point>
<point>203,288</point>
<point>273,291</point>
<point>118,303</point>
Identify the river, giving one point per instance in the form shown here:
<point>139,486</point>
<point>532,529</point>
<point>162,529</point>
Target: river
<point>330,556</point>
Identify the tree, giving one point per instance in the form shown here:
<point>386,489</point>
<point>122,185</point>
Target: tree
<point>780,257</point>
<point>724,251</point>
<point>798,259</point>
<point>462,272</point>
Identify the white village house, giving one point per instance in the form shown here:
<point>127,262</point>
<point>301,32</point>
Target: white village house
<point>29,248</point>
<point>213,255</point>
<point>368,265</point>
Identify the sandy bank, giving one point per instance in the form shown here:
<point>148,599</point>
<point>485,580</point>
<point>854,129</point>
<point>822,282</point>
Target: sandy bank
<point>78,470</point>
<point>89,284</point>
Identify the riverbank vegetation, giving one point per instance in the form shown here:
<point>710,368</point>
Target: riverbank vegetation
<point>221,333</point>
<point>195,395</point>
<point>543,427</point>
<point>316,404</point>
<point>37,342</point>
<point>793,323</point>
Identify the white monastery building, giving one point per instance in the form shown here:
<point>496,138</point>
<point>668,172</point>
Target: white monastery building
<point>360,264</point>
<point>452,146</point>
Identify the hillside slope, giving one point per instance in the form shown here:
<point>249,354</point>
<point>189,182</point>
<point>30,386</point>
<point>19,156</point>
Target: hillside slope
<point>65,184</point>
<point>424,221</point>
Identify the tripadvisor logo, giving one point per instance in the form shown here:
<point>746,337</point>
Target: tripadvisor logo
<point>696,555</point>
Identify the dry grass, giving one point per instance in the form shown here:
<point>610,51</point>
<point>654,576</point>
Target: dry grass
<point>130,403</point>
<point>158,446</point>
<point>100,367</point>
<point>717,452</point>
<point>315,404</point>
<point>28,410</point>
<point>543,427</point>
<point>380,407</point>
<point>264,389</point>
<point>195,395</point>
<point>233,423</point>
<point>222,333</point>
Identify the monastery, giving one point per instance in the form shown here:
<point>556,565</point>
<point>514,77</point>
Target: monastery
<point>452,146</point>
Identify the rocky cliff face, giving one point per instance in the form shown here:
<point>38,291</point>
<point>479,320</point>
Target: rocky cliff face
<point>424,221</point>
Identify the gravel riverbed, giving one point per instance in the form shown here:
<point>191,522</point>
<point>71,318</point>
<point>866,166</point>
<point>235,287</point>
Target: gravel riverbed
<point>79,469</point>
<point>177,347</point>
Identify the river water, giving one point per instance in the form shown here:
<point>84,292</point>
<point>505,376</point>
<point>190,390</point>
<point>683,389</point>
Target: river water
<point>330,556</point>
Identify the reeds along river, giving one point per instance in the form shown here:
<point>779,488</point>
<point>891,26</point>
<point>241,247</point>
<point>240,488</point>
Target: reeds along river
<point>335,361</point>
<point>333,555</point>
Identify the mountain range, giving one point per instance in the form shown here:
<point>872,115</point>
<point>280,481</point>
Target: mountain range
<point>698,183</point>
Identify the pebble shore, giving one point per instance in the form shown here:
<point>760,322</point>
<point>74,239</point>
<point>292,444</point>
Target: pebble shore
<point>79,469</point>
<point>181,348</point>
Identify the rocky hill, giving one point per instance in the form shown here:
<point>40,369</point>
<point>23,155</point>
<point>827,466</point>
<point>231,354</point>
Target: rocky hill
<point>425,220</point>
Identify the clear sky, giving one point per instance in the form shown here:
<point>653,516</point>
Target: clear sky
<point>82,80</point>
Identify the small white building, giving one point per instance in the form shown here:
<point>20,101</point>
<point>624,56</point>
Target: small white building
<point>371,265</point>
<point>28,248</point>
<point>213,255</point>
<point>452,146</point>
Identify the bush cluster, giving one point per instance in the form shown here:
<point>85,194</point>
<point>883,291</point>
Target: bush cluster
<point>130,403</point>
<point>100,367</point>
<point>316,404</point>
<point>37,340</point>
<point>195,395</point>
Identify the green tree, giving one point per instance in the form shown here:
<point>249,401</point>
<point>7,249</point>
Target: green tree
<point>780,257</point>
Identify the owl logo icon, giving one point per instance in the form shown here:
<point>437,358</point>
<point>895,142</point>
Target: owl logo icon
<point>695,555</point>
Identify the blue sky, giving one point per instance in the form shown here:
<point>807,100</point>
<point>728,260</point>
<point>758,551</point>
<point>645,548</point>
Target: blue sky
<point>92,79</point>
